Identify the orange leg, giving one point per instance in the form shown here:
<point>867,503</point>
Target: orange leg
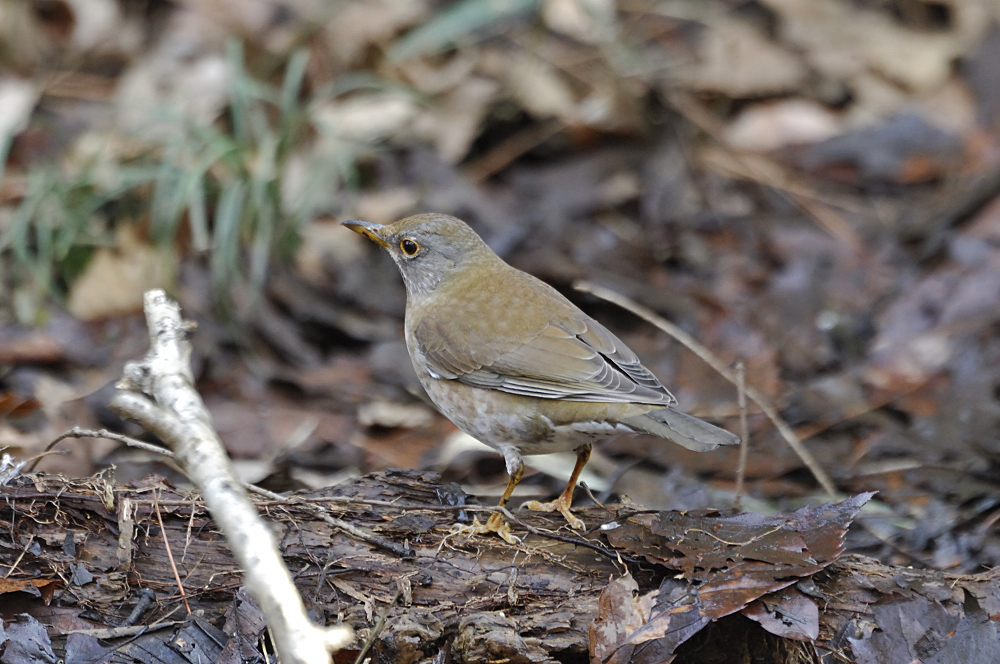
<point>496,523</point>
<point>514,480</point>
<point>565,499</point>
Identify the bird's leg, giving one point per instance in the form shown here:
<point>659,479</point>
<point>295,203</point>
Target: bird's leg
<point>565,499</point>
<point>496,523</point>
<point>515,468</point>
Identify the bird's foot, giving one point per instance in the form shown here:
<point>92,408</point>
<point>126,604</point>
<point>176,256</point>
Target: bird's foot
<point>561,505</point>
<point>496,524</point>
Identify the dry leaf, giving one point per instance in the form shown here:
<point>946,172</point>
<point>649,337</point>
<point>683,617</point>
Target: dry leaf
<point>540,89</point>
<point>788,613</point>
<point>17,100</point>
<point>775,125</point>
<point>588,21</point>
<point>726,563</point>
<point>116,278</point>
<point>736,60</point>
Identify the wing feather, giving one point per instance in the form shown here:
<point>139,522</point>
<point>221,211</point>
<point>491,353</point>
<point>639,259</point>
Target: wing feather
<point>592,365</point>
<point>550,349</point>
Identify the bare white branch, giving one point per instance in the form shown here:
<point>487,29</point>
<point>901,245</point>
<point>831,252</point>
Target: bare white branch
<point>159,393</point>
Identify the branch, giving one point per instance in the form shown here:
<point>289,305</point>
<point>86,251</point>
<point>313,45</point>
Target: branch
<point>159,394</point>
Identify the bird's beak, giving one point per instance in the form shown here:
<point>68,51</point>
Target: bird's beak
<point>368,229</point>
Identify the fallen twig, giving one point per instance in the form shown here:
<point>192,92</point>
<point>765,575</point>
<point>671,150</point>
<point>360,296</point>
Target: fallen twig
<point>159,394</point>
<point>379,626</point>
<point>170,554</point>
<point>741,468</point>
<point>77,432</point>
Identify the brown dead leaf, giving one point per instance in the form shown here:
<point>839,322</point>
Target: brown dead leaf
<point>46,587</point>
<point>737,61</point>
<point>736,559</point>
<point>911,629</point>
<point>540,89</point>
<point>245,622</point>
<point>63,339</point>
<point>13,405</point>
<point>457,121</point>
<point>929,323</point>
<point>116,278</point>
<point>324,244</point>
<point>361,23</point>
<point>343,376</point>
<point>184,76</point>
<point>620,614</point>
<point>788,613</point>
<point>26,640</point>
<point>841,40</point>
<point>660,631</point>
<point>904,148</point>
<point>588,21</point>
<point>403,447</point>
<point>368,117</point>
<point>391,415</point>
<point>96,24</point>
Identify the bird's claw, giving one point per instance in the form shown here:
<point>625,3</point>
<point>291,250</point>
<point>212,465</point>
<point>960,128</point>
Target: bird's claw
<point>495,524</point>
<point>560,505</point>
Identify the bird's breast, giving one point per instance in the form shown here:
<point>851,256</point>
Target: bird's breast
<point>533,426</point>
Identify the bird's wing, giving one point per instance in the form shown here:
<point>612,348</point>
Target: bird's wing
<point>574,358</point>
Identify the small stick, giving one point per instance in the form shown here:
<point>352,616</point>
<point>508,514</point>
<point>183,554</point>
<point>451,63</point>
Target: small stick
<point>510,149</point>
<point>77,432</point>
<point>741,468</point>
<point>377,629</point>
<point>31,538</point>
<point>701,351</point>
<point>170,555</point>
<point>590,495</point>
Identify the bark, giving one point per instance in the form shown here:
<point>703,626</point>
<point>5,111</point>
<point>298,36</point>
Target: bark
<point>90,546</point>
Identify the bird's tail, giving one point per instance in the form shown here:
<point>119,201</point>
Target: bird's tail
<point>683,429</point>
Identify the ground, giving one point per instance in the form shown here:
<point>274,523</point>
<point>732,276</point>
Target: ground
<point>809,188</point>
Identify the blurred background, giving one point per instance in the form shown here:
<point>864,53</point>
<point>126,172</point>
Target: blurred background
<point>807,186</point>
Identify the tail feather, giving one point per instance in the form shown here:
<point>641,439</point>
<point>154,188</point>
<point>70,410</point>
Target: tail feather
<point>683,429</point>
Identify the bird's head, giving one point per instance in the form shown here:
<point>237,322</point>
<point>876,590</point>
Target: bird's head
<point>428,248</point>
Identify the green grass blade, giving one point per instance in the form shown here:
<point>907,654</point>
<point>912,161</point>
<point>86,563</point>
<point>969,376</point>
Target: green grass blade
<point>239,93</point>
<point>291,87</point>
<point>455,22</point>
<point>198,215</point>
<point>224,261</point>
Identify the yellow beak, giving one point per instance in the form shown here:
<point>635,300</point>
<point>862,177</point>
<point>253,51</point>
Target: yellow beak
<point>368,229</point>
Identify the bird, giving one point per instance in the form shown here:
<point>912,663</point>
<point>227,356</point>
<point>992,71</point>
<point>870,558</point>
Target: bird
<point>516,365</point>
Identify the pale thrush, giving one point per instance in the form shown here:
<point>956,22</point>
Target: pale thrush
<point>515,364</point>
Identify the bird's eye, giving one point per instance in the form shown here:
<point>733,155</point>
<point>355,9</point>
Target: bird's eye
<point>409,247</point>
